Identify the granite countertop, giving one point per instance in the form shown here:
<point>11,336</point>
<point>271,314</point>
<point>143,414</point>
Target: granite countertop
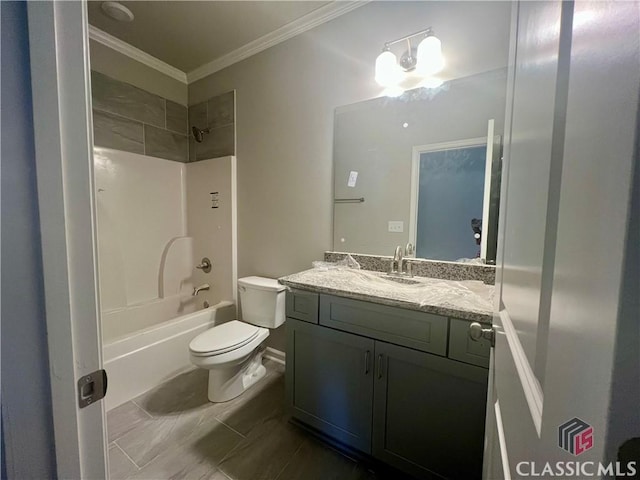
<point>466,299</point>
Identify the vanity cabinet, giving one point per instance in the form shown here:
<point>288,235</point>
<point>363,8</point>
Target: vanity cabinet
<point>331,376</point>
<point>428,414</point>
<point>389,389</point>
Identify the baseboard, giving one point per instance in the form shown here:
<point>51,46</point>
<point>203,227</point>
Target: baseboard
<point>275,355</point>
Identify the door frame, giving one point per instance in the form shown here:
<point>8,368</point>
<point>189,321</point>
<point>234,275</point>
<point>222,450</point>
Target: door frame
<point>415,180</point>
<point>60,78</point>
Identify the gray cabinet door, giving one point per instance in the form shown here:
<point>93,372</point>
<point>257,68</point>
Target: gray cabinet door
<point>330,382</point>
<point>428,413</point>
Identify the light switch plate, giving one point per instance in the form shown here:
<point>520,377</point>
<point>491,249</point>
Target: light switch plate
<point>396,226</point>
<point>353,178</point>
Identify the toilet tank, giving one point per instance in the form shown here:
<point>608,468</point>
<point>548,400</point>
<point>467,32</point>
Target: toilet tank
<point>262,301</point>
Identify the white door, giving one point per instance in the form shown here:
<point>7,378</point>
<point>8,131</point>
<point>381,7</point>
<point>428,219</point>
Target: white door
<point>568,167</point>
<point>60,78</point>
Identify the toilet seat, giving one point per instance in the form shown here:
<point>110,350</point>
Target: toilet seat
<point>233,355</point>
<point>223,339</point>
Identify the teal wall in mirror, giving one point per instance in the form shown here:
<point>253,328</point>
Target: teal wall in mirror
<point>450,196</point>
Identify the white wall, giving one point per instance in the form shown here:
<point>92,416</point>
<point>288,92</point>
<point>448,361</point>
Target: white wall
<point>286,97</point>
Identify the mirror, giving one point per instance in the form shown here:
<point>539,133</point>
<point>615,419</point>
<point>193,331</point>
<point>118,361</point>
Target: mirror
<point>419,169</point>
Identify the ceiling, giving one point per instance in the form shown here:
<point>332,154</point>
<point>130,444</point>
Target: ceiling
<point>189,34</point>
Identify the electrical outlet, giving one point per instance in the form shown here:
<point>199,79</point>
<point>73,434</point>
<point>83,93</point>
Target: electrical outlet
<point>396,226</point>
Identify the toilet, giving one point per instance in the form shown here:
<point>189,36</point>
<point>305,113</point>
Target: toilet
<point>232,351</point>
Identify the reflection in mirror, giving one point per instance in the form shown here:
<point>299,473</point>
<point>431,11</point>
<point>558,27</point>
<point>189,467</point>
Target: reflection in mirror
<point>450,175</point>
<point>394,185</point>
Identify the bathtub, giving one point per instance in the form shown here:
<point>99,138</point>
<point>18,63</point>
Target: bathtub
<point>140,361</point>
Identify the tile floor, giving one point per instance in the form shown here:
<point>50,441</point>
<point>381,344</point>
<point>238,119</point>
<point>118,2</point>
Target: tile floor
<point>174,432</point>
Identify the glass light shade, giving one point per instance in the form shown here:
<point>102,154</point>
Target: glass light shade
<point>429,56</point>
<point>388,72</point>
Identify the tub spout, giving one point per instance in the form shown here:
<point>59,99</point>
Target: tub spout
<point>204,286</point>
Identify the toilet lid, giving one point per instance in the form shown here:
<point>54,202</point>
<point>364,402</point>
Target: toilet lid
<point>223,338</point>
<point>261,283</point>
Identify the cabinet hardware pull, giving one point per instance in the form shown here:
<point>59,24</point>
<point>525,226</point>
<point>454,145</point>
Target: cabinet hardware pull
<point>366,362</point>
<point>380,366</point>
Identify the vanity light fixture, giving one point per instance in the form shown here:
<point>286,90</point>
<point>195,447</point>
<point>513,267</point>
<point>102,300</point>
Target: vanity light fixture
<point>423,62</point>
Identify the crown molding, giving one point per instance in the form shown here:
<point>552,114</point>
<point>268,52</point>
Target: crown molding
<point>135,53</point>
<point>302,24</point>
<point>307,22</point>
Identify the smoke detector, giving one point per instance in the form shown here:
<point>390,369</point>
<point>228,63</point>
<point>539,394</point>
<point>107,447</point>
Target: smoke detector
<point>117,11</point>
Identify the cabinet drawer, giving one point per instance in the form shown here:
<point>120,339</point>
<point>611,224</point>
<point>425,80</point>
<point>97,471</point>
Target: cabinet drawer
<point>462,348</point>
<point>302,305</point>
<point>419,330</point>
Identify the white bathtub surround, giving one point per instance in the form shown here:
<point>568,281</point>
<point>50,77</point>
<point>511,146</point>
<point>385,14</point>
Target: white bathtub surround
<point>141,361</point>
<point>123,322</point>
<point>176,268</point>
<point>211,222</point>
<point>141,207</point>
<point>155,223</point>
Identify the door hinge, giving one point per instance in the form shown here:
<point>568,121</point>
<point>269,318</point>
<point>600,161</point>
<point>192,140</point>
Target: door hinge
<point>92,388</point>
<point>476,333</point>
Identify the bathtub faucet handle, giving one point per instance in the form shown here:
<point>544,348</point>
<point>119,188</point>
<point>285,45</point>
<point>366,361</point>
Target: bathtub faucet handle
<point>205,265</point>
<point>204,286</point>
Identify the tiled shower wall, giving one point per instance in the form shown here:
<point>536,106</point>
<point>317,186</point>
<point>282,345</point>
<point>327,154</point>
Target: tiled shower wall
<point>133,120</point>
<point>217,114</point>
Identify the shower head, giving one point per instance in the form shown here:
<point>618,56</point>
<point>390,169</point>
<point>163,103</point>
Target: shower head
<point>198,134</point>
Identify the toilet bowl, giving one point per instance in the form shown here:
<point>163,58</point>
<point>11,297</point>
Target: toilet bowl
<point>232,351</point>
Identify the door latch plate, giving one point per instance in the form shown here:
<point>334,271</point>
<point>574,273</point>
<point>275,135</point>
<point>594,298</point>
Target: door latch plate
<point>92,388</point>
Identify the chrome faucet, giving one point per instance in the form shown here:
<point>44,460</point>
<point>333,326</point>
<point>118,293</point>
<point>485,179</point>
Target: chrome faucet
<point>396,263</point>
<point>397,257</point>
<point>197,290</point>
<point>409,250</point>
